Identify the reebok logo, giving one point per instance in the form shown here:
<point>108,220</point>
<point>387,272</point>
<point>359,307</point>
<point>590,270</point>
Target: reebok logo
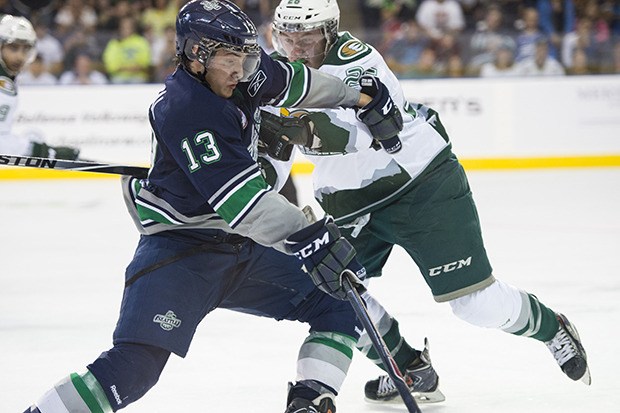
<point>257,82</point>
<point>456,265</point>
<point>168,321</point>
<point>116,396</point>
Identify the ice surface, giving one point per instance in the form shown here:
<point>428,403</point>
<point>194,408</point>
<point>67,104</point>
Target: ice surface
<point>554,233</point>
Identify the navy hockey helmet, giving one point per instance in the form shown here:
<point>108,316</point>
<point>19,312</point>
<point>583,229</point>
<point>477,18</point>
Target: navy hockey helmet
<point>204,26</point>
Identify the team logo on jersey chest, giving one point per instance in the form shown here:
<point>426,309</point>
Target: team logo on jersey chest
<point>7,86</point>
<point>351,49</point>
<point>168,321</point>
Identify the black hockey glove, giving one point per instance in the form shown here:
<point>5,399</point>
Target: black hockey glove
<point>326,254</point>
<point>381,115</point>
<point>279,134</point>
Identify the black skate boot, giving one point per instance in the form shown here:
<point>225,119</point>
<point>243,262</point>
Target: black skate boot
<point>420,376</point>
<point>301,398</point>
<point>568,351</point>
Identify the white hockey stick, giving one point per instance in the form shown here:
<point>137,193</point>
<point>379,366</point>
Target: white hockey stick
<point>79,166</point>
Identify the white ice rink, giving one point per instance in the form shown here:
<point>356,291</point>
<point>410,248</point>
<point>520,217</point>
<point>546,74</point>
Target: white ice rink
<point>554,233</point>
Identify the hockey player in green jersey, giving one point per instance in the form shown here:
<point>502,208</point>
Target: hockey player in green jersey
<point>408,190</point>
<point>17,49</point>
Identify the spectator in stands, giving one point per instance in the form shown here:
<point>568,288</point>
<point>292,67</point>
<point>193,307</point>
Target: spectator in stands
<point>50,48</point>
<point>389,26</point>
<point>127,58</point>
<point>455,67</point>
<point>158,15</point>
<point>403,55</point>
<point>541,64</point>
<point>581,38</point>
<point>427,65</point>
<point>502,64</point>
<point>83,73</point>
<point>80,40</point>
<point>439,17</point>
<point>488,38</point>
<point>110,14</point>
<point>556,17</point>
<point>529,34</point>
<point>73,14</point>
<point>163,52</point>
<point>370,11</point>
<point>259,11</point>
<point>579,64</point>
<point>599,54</point>
<point>446,47</point>
<point>36,74</point>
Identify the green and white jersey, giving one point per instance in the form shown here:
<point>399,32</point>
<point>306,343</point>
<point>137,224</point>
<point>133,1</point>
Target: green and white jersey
<point>8,101</point>
<point>353,175</point>
<point>9,142</point>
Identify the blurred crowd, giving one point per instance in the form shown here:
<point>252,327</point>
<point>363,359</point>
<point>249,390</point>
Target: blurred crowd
<point>133,41</point>
<point>492,38</point>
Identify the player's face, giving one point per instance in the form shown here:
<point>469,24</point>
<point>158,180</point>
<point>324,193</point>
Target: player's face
<point>225,70</point>
<point>15,55</point>
<point>308,47</point>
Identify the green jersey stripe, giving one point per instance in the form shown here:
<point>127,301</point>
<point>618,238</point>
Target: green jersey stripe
<point>240,199</point>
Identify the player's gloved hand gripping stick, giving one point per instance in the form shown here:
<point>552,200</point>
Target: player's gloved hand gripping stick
<point>381,115</point>
<point>326,254</point>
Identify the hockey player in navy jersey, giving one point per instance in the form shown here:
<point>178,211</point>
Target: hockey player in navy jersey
<point>214,235</point>
<point>408,190</point>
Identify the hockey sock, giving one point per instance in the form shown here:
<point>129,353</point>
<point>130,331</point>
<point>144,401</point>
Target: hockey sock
<point>401,351</point>
<point>509,309</point>
<point>325,357</point>
<point>541,323</point>
<point>387,326</point>
<point>75,393</point>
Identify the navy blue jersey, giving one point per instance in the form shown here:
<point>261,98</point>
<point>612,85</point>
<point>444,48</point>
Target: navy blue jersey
<point>205,172</point>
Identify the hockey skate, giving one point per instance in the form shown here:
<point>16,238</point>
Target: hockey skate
<point>420,376</point>
<point>568,351</point>
<point>296,403</point>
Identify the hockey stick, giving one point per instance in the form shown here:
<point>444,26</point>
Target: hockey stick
<point>380,347</point>
<point>80,166</point>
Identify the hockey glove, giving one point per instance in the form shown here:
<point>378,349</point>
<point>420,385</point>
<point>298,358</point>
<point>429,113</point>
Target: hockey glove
<point>326,254</point>
<point>381,115</point>
<point>279,134</point>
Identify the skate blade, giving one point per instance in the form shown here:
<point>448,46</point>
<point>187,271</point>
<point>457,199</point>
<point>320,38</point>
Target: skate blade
<point>429,397</point>
<point>422,398</point>
<point>586,378</point>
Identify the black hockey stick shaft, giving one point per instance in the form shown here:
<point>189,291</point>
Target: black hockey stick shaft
<point>66,165</point>
<point>380,347</point>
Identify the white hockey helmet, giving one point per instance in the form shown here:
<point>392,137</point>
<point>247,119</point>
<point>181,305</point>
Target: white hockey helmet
<point>17,29</point>
<point>306,15</point>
